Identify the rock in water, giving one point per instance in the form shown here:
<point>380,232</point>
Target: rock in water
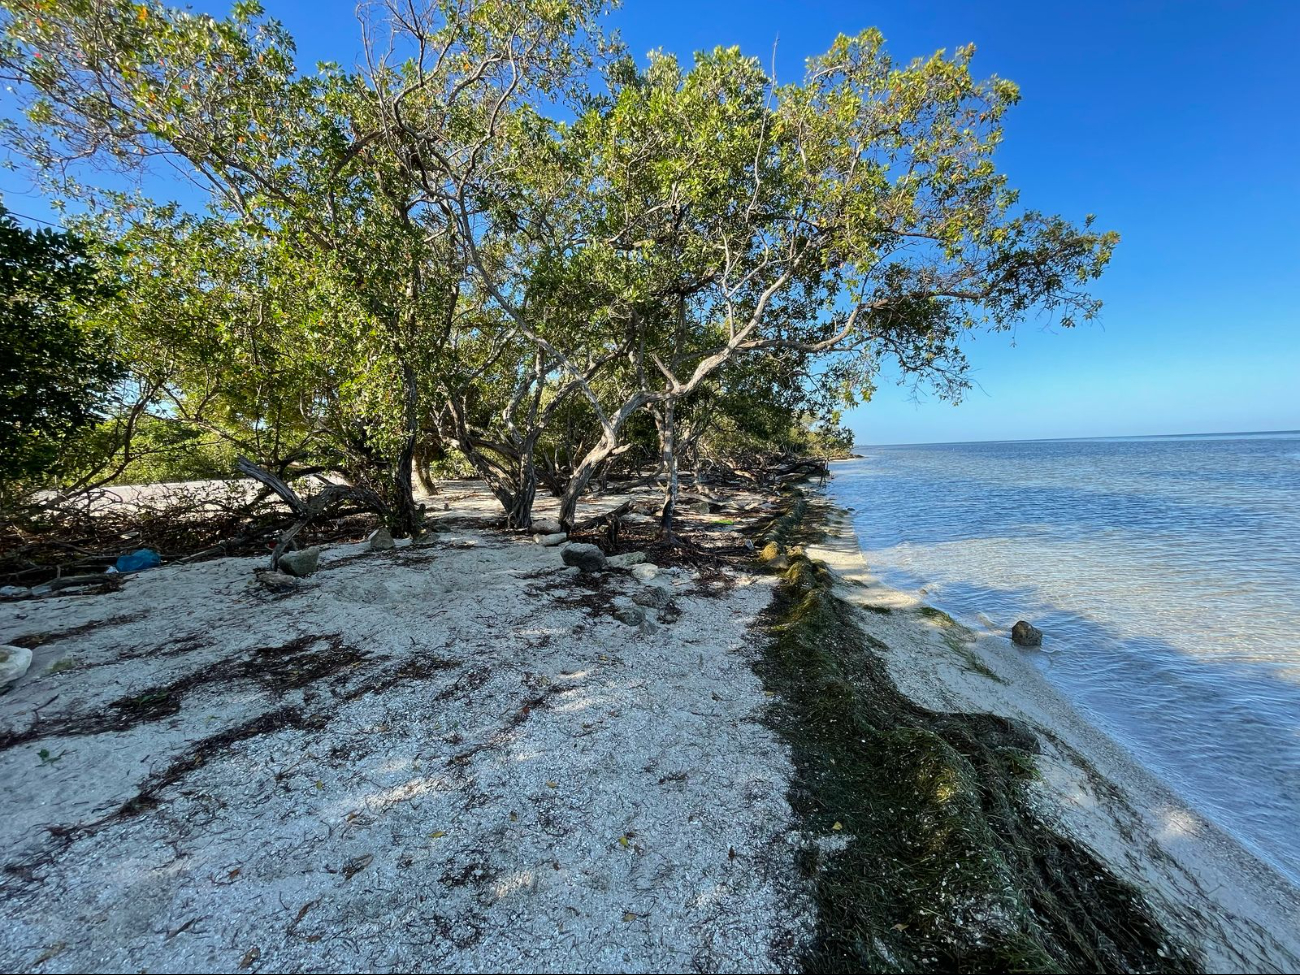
<point>588,558</point>
<point>1025,635</point>
<point>14,662</point>
<point>381,540</point>
<point>302,563</point>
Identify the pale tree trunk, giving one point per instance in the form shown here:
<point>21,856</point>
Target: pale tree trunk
<point>666,424</point>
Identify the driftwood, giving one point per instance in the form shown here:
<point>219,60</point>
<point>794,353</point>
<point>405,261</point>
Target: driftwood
<point>610,519</point>
<point>318,506</point>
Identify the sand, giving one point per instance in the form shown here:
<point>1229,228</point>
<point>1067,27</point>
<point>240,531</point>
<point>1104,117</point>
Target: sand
<point>1203,884</point>
<point>445,757</point>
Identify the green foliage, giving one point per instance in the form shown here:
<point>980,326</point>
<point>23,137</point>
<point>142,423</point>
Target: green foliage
<point>56,372</point>
<point>420,258</point>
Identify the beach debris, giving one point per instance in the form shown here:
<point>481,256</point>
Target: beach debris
<point>138,561</point>
<point>15,592</point>
<point>645,571</point>
<point>552,539</point>
<point>14,662</point>
<point>381,540</point>
<point>586,557</point>
<point>626,560</point>
<point>1024,634</point>
<point>301,563</point>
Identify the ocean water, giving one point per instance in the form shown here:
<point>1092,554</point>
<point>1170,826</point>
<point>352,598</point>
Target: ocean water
<point>1165,573</point>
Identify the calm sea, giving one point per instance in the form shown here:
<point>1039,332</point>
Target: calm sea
<point>1165,572</point>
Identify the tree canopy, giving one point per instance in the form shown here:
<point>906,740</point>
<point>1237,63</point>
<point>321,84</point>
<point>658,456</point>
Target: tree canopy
<point>502,243</point>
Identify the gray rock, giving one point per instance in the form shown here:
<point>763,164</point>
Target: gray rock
<point>276,581</point>
<point>636,518</point>
<point>553,539</point>
<point>15,592</point>
<point>14,662</point>
<point>547,526</point>
<point>588,558</point>
<point>645,571</point>
<point>381,540</point>
<point>700,508</point>
<point>301,563</point>
<point>626,611</point>
<point>655,597</point>
<point>626,560</point>
<point>1024,634</point>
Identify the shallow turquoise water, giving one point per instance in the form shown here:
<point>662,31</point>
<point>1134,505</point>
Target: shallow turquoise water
<point>1165,573</point>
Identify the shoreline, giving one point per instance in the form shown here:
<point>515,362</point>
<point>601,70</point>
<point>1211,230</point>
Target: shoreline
<point>1204,884</point>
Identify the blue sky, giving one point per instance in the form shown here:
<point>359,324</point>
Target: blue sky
<point>1174,122</point>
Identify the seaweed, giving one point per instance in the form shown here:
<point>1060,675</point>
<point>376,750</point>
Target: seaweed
<point>939,862</point>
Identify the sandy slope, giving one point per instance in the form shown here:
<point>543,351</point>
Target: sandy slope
<point>446,757</point>
<point>1204,884</point>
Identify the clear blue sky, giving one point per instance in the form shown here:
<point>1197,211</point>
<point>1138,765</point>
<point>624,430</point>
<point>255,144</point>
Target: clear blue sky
<point>1174,122</point>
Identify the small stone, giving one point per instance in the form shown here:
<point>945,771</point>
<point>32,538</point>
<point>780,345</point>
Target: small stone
<point>381,540</point>
<point>551,540</point>
<point>1024,634</point>
<point>626,611</point>
<point>547,526</point>
<point>301,563</point>
<point>588,558</point>
<point>14,662</point>
<point>645,571</point>
<point>626,560</point>
<point>655,597</point>
<point>700,508</point>
<point>15,592</point>
<point>276,581</point>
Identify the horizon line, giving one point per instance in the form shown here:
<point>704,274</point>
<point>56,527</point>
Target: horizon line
<point>1128,436</point>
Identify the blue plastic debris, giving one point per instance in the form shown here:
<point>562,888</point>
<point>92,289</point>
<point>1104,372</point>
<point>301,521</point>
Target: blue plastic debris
<point>141,558</point>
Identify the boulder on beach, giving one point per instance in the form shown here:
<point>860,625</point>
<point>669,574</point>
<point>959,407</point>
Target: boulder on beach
<point>1024,634</point>
<point>645,571</point>
<point>301,563</point>
<point>14,662</point>
<point>381,540</point>
<point>586,557</point>
<point>547,526</point>
<point>552,539</point>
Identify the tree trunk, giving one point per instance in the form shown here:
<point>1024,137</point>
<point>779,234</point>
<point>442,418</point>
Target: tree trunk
<point>520,512</point>
<point>578,482</point>
<point>407,518</point>
<point>665,422</point>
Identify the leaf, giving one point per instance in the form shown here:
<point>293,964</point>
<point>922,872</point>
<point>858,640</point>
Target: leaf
<point>838,826</point>
<point>629,916</point>
<point>622,841</point>
<point>437,834</point>
<point>552,785</point>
